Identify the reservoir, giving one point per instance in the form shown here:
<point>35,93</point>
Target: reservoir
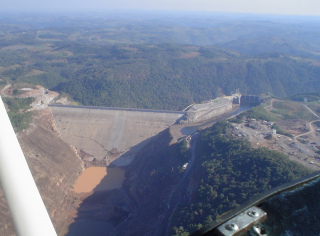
<point>99,179</point>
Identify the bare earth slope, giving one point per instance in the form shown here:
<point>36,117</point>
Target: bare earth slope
<point>54,165</point>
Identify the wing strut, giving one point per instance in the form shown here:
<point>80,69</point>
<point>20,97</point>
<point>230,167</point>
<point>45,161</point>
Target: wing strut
<point>27,209</point>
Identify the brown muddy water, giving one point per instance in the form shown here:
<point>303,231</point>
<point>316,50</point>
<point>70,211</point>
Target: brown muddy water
<point>99,179</point>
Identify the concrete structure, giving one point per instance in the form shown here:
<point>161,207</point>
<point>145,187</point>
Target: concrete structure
<point>209,110</point>
<point>115,135</point>
<point>250,99</point>
<point>236,99</point>
<point>110,134</point>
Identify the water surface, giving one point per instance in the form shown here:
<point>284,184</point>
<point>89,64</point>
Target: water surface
<point>99,179</point>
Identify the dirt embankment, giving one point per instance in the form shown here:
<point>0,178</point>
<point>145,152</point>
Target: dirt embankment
<point>55,167</point>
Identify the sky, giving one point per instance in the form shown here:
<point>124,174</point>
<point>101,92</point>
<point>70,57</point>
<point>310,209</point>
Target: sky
<point>282,7</point>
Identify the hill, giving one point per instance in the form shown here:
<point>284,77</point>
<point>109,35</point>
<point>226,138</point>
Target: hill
<point>160,76</point>
<point>150,60</point>
<point>230,173</point>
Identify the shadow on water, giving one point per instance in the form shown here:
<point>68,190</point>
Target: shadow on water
<point>96,215</point>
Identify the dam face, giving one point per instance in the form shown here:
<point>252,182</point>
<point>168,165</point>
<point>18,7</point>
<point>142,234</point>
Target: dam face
<point>110,135</point>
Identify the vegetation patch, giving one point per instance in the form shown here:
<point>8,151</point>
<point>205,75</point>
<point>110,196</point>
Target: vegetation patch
<point>235,120</point>
<point>311,97</point>
<point>232,173</point>
<point>280,131</point>
<point>258,113</point>
<point>150,76</point>
<point>20,121</point>
<point>19,117</point>
<point>48,80</point>
<point>289,110</point>
<point>183,152</point>
<point>302,141</point>
<point>3,83</point>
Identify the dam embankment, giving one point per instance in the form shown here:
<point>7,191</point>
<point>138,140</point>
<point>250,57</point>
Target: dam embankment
<point>110,134</point>
<point>116,135</point>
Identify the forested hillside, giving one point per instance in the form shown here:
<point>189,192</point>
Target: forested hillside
<point>232,173</point>
<point>164,76</point>
<point>168,61</point>
<point>160,61</point>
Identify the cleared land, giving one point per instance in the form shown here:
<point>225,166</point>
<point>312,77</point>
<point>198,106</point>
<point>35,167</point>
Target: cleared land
<point>302,140</point>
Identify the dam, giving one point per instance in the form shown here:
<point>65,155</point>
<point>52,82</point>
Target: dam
<point>110,135</point>
<point>115,135</point>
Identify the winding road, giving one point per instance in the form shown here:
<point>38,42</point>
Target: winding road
<point>309,125</point>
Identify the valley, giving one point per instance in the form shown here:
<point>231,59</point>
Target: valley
<point>115,197</point>
<point>159,124</point>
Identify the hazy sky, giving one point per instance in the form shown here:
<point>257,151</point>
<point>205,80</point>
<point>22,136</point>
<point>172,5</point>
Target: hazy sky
<point>296,7</point>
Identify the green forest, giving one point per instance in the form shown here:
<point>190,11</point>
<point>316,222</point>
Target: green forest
<point>160,61</point>
<point>168,62</point>
<point>19,117</point>
<point>232,173</point>
<point>162,76</point>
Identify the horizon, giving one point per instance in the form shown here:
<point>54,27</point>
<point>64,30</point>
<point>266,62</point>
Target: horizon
<point>262,7</point>
<point>142,14</point>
